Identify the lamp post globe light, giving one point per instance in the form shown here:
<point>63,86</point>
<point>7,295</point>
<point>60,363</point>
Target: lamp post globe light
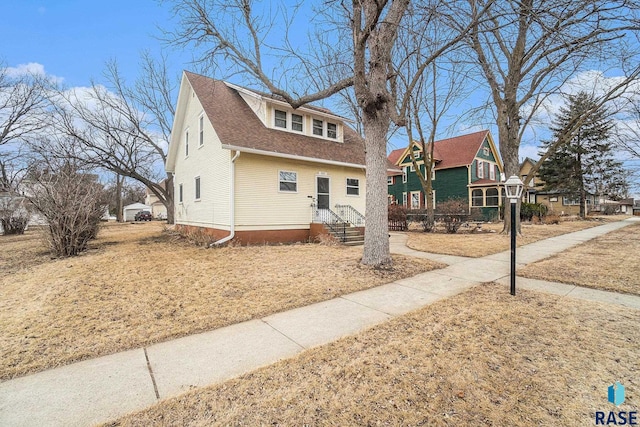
<point>513,189</point>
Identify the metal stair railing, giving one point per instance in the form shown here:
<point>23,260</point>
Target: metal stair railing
<point>336,225</point>
<point>351,214</point>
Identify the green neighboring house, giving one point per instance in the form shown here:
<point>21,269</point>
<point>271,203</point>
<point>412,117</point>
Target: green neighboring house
<point>466,167</point>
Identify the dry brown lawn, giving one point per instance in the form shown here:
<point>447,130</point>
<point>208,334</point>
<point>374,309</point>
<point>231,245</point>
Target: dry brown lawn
<point>480,358</point>
<point>138,285</point>
<point>609,262</point>
<point>489,241</point>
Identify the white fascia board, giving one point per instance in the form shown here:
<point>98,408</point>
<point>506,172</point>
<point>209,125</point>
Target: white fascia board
<point>292,156</point>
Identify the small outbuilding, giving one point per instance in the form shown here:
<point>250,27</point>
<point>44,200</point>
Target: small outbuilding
<point>129,212</point>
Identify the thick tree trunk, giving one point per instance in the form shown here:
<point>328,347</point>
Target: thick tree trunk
<point>169,202</point>
<point>119,205</point>
<point>376,235</point>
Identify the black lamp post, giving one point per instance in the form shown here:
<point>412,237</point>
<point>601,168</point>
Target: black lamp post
<point>513,189</point>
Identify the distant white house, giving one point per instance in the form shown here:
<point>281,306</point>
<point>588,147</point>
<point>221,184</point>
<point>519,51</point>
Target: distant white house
<point>249,167</point>
<point>129,212</point>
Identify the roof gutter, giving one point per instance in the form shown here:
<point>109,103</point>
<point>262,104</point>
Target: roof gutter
<point>291,156</point>
<point>232,203</point>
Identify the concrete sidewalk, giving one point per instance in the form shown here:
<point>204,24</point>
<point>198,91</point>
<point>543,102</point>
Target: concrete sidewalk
<point>105,388</point>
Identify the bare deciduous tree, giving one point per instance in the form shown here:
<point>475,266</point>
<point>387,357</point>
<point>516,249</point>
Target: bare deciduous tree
<point>527,50</point>
<point>123,129</point>
<point>23,102</point>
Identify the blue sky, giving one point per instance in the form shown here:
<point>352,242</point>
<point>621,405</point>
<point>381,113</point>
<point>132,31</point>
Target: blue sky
<point>73,39</point>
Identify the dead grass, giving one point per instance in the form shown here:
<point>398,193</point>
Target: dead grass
<point>138,286</point>
<point>481,358</point>
<point>609,262</point>
<point>489,241</point>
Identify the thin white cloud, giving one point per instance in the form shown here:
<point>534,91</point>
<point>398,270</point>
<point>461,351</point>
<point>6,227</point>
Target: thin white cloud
<point>32,68</point>
<point>42,10</point>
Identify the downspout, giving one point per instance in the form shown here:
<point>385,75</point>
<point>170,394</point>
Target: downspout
<point>232,203</point>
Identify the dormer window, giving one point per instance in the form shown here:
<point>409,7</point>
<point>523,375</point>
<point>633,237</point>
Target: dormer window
<point>296,122</point>
<point>318,126</point>
<point>332,130</point>
<point>281,119</point>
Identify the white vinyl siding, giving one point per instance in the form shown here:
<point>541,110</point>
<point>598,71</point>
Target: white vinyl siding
<point>212,164</point>
<point>261,206</point>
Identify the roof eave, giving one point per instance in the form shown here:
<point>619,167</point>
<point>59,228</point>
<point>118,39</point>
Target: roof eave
<point>291,156</point>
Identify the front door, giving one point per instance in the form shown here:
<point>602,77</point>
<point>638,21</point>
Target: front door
<point>322,198</point>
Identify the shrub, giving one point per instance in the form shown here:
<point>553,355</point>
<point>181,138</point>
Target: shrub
<point>529,210</point>
<point>14,215</point>
<point>453,213</point>
<point>72,204</point>
<point>397,217</point>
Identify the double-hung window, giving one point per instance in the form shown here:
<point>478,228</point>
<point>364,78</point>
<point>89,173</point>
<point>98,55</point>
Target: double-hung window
<point>318,126</point>
<point>404,175</point>
<point>353,187</point>
<point>296,122</point>
<point>281,119</point>
<point>201,130</point>
<point>332,130</point>
<point>288,181</point>
<point>480,169</point>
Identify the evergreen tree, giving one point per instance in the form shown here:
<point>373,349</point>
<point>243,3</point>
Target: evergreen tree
<point>584,165</point>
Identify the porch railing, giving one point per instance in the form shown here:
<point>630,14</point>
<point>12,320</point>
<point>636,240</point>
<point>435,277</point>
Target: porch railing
<point>331,221</point>
<point>351,214</point>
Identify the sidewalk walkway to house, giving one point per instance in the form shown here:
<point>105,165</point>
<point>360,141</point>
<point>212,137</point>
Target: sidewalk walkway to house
<point>97,390</point>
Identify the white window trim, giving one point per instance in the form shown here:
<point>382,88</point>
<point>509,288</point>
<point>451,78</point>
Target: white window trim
<point>553,199</point>
<point>404,175</point>
<point>333,138</point>
<point>275,119</point>
<point>201,130</point>
<point>390,180</point>
<point>412,168</point>
<point>415,193</point>
<point>404,199</point>
<point>485,151</point>
<point>197,188</point>
<point>480,167</point>
<point>279,181</point>
<point>313,128</point>
<point>180,194</point>
<point>348,186</point>
<point>492,172</point>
